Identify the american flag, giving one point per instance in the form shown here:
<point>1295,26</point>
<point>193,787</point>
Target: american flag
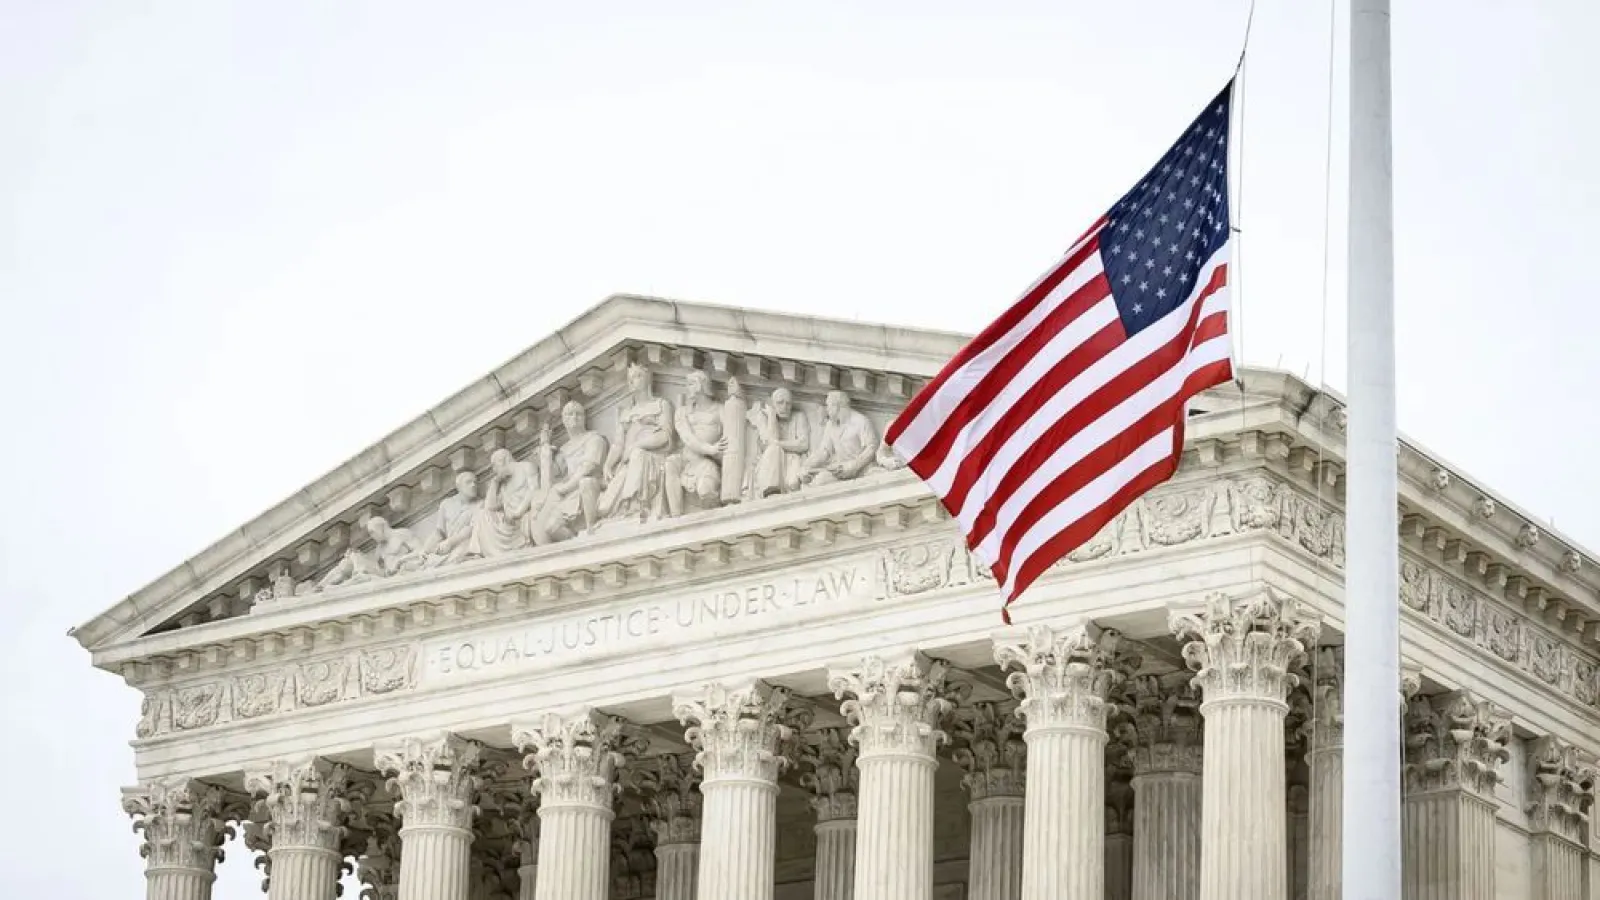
<point>1071,405</point>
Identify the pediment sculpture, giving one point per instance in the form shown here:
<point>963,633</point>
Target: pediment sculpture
<point>665,459</point>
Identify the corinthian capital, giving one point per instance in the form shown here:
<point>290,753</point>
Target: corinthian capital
<point>305,802</point>
<point>576,755</point>
<point>831,774</point>
<point>1242,649</point>
<point>1064,675</point>
<point>1164,730</point>
<point>672,802</point>
<point>1323,728</point>
<point>898,702</point>
<point>739,731</point>
<point>1455,741</point>
<point>1561,786</point>
<point>182,823</point>
<point>436,777</point>
<point>989,748</point>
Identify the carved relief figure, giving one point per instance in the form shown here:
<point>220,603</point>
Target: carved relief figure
<point>848,445</point>
<point>573,499</point>
<point>635,468</point>
<point>452,524</point>
<point>696,469</point>
<point>783,436</point>
<point>515,491</point>
<point>395,550</point>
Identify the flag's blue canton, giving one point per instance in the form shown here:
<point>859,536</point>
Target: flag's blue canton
<point>1160,234</point>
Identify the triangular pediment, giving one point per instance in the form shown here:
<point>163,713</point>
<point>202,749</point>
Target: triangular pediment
<point>319,542</point>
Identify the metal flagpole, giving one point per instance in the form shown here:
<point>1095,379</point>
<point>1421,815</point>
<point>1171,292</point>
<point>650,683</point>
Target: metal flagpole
<point>1371,840</point>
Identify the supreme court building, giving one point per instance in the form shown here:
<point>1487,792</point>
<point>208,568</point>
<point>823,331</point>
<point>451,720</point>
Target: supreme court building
<point>651,611</point>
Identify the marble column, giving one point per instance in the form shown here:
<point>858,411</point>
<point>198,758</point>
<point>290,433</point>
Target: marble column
<point>303,805</point>
<point>833,778</point>
<point>1560,788</point>
<point>577,755</point>
<point>1242,650</point>
<point>1119,823</point>
<point>898,704</point>
<point>671,786</point>
<point>183,828</point>
<point>1164,750</point>
<point>1325,789</point>
<point>739,734</point>
<point>379,867</point>
<point>526,846</point>
<point>436,778</point>
<point>1455,744</point>
<point>990,750</point>
<point>1064,677</point>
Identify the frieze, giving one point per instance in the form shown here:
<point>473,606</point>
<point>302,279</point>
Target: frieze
<point>1171,516</point>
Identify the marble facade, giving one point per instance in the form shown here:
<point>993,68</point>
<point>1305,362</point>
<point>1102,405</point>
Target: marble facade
<point>651,612</point>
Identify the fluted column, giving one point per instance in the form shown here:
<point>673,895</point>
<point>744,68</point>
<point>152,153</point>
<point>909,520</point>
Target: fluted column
<point>1119,820</point>
<point>990,749</point>
<point>436,778</point>
<point>671,785</point>
<point>1242,650</point>
<point>577,755</point>
<point>526,846</point>
<point>183,828</point>
<point>1064,676</point>
<point>1455,744</point>
<point>833,779</point>
<point>898,704</point>
<point>1164,751</point>
<point>1560,789</point>
<point>740,736</point>
<point>1325,789</point>
<point>303,804</point>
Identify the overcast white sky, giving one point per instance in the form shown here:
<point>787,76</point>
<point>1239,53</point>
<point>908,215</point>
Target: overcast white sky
<point>239,242</point>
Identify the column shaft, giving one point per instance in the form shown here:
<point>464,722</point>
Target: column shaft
<point>995,860</point>
<point>739,839</point>
<point>574,851</point>
<point>835,874</point>
<point>178,884</point>
<point>676,868</point>
<point>1449,844</point>
<point>1166,836</point>
<point>433,863</point>
<point>1245,805</point>
<point>1558,869</point>
<point>1326,825</point>
<point>304,873</point>
<point>894,844</point>
<point>528,882</point>
<point>1119,867</point>
<point>1063,845</point>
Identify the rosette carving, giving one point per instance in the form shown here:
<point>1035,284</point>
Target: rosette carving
<point>1561,781</point>
<point>577,756</point>
<point>304,803</point>
<point>1065,676</point>
<point>182,823</point>
<point>671,785</point>
<point>436,777</point>
<point>1243,649</point>
<point>1455,741</point>
<point>990,749</point>
<point>739,731</point>
<point>831,774</point>
<point>898,704</point>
